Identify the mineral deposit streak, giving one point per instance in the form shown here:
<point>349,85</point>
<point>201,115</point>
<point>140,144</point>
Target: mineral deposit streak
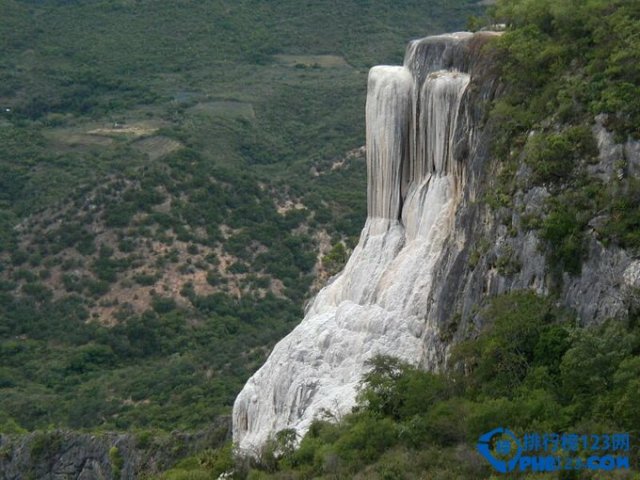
<point>379,303</point>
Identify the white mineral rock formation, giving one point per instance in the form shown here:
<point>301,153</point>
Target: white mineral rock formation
<point>380,302</point>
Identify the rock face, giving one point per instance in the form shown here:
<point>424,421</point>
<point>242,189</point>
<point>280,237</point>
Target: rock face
<point>60,455</point>
<point>420,134</point>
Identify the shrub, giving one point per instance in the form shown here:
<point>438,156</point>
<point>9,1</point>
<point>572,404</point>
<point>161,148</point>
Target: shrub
<point>163,304</point>
<point>563,231</point>
<point>117,462</point>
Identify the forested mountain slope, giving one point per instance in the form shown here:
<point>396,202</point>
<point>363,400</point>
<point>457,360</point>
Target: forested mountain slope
<point>174,178</point>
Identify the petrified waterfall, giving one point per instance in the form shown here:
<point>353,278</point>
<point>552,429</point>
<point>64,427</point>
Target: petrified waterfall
<point>380,303</point>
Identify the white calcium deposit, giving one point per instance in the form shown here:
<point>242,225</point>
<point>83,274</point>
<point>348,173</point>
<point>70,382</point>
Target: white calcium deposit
<point>379,303</point>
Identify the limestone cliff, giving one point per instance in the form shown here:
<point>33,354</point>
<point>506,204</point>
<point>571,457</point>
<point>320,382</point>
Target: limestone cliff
<point>432,250</point>
<point>422,131</point>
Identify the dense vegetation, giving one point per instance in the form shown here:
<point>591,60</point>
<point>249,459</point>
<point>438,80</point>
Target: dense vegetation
<point>564,63</point>
<point>169,172</point>
<point>530,368</point>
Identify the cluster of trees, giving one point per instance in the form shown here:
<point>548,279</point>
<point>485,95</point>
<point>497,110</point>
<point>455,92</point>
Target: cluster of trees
<point>569,59</point>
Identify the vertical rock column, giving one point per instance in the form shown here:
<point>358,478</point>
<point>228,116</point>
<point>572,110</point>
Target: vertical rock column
<point>388,118</point>
<point>433,176</point>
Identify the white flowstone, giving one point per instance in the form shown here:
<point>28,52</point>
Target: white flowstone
<point>388,115</point>
<point>379,303</point>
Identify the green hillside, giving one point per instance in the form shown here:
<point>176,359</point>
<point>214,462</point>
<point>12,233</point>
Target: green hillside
<point>176,179</point>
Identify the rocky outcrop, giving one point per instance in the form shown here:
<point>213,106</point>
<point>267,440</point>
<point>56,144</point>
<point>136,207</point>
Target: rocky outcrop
<point>421,131</point>
<point>492,252</point>
<point>61,455</point>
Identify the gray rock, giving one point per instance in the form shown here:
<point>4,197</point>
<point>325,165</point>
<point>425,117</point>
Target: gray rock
<point>611,157</point>
<point>632,157</point>
<point>62,455</point>
<point>596,293</point>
